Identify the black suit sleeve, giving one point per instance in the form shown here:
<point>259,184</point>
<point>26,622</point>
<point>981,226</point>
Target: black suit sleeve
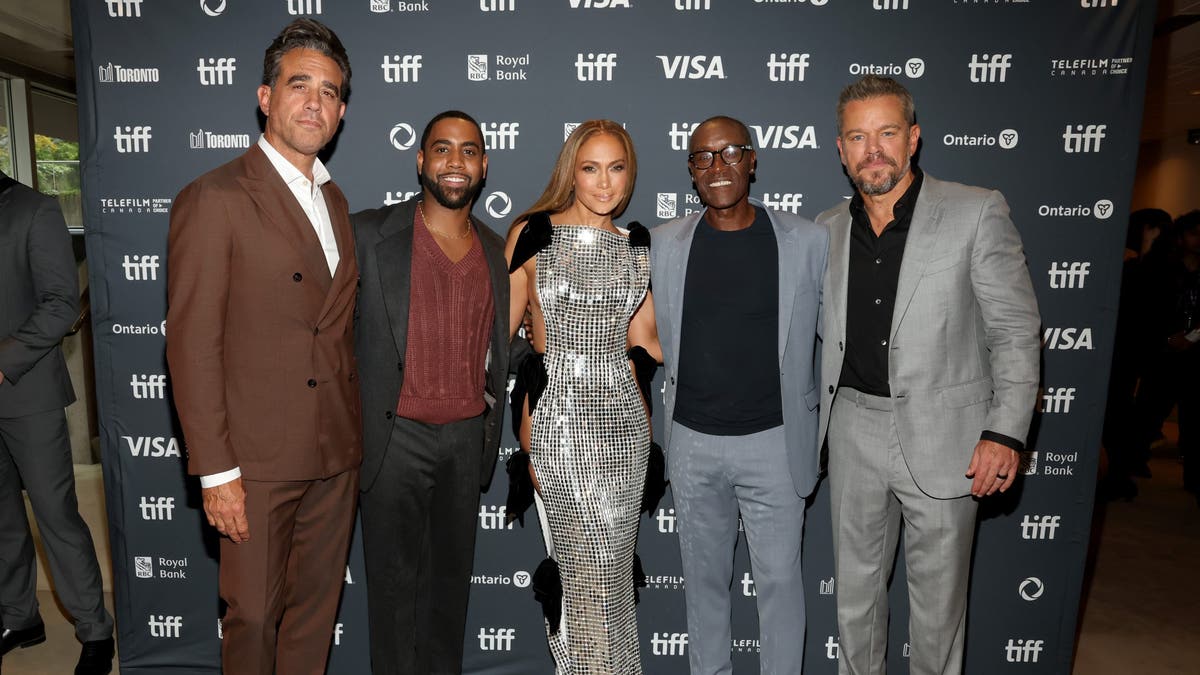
<point>55,286</point>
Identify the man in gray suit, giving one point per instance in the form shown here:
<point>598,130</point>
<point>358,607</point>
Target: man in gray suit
<point>929,373</point>
<point>39,300</point>
<point>741,405</point>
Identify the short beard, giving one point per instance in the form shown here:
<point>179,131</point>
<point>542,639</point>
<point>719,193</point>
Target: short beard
<point>876,189</point>
<point>465,198</point>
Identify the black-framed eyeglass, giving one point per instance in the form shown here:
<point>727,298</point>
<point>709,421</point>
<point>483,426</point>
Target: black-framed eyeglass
<point>730,154</point>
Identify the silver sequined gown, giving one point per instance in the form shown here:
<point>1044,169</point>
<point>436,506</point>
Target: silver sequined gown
<point>589,442</point>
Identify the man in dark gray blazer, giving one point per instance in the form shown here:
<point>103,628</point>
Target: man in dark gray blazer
<point>39,300</point>
<point>929,374</point>
<point>741,405</point>
<point>433,372</point>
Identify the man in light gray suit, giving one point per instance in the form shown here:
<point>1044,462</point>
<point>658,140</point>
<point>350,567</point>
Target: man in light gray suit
<point>741,405</point>
<point>929,375</point>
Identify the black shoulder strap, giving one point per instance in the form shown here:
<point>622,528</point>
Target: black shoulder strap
<point>638,235</point>
<point>534,237</point>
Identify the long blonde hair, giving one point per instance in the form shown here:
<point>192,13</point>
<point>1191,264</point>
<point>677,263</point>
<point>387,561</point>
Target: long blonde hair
<point>560,191</point>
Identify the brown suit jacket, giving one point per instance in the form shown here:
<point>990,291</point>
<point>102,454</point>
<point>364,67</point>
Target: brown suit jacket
<point>259,337</point>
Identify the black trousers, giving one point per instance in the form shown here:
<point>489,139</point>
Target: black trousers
<point>1168,383</point>
<point>419,522</point>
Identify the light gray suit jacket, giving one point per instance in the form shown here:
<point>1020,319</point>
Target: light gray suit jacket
<point>965,348</point>
<point>803,247</point>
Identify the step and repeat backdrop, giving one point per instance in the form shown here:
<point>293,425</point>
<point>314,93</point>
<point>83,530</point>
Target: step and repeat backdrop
<point>1040,99</point>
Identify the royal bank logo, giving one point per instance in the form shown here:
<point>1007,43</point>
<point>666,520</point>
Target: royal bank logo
<point>1083,137</point>
<point>132,139</point>
<point>216,71</point>
<point>118,74</point>
<point>669,644</point>
<point>988,68</point>
<point>1102,210</point>
<point>140,267</point>
<point>401,68</point>
<point>168,568</point>
<point>477,67</point>
<point>1039,527</point>
<point>667,522</point>
<point>1069,274</point>
<point>783,201</point>
<point>1057,400</point>
<point>143,567</point>
<point>135,205</point>
<point>390,198</point>
<point>889,4</point>
<point>1025,651</point>
<point>382,6</point>
<point>165,626</point>
<point>497,639</point>
<point>600,4</point>
<point>666,205</point>
<point>210,140</point>
<point>785,67</point>
<point>1007,139</point>
<point>491,517</point>
<point>148,386</point>
<point>680,133</point>
<point>913,68</point>
<point>693,5</point>
<point>497,5</point>
<point>152,446</point>
<point>124,9</point>
<point>568,128</point>
<point>826,586</point>
<point>1058,464</point>
<point>213,7</point>
<point>1031,463</point>
<point>692,67</point>
<point>157,508</point>
<point>748,588</point>
<point>402,136</point>
<point>1090,67</point>
<point>300,7</point>
<point>500,135</point>
<point>1030,589</point>
<point>595,67</point>
<point>498,204</point>
<point>785,136</point>
<point>1067,339</point>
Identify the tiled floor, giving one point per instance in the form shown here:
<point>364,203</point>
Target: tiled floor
<point>1141,610</point>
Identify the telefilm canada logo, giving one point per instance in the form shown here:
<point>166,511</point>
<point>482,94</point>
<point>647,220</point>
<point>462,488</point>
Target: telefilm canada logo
<point>135,205</point>
<point>1090,66</point>
<point>115,73</point>
<point>745,645</point>
<point>665,582</point>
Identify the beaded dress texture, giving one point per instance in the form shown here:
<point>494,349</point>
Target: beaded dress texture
<point>589,440</point>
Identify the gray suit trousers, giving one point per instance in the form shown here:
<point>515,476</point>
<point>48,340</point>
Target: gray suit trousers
<point>871,492</point>
<point>712,479</point>
<point>35,451</point>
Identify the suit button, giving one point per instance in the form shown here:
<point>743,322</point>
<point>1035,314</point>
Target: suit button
<point>400,366</point>
<point>312,384</point>
<point>672,380</point>
<point>316,331</point>
<point>351,377</point>
<point>388,414</point>
<point>840,347</point>
<point>297,276</point>
<point>831,388</point>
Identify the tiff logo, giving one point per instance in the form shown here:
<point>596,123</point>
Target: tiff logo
<point>989,67</point>
<point>748,588</point>
<point>784,201</point>
<point>1025,651</point>
<point>784,67</point>
<point>832,648</point>
<point>141,267</point>
<point>1083,138</point>
<point>1039,527</point>
<point>1070,275</point>
<point>157,508</point>
<point>165,626</point>
<point>1058,400</point>
<point>683,5</point>
<point>501,135</point>
<point>216,71</point>
<point>889,4</point>
<point>398,196</point>
<point>1096,3</point>
<point>680,133</point>
<point>148,386</point>
<point>124,9</point>
<point>337,634</point>
<point>397,68</point>
<point>132,139</point>
<point>667,522</point>
<point>497,5</point>
<point>497,639</point>
<point>304,7</point>
<point>669,644</point>
<point>595,67</point>
<point>492,518</point>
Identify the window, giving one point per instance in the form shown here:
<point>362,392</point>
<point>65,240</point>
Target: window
<point>56,152</point>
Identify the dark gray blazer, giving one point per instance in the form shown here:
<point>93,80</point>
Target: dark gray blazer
<point>384,242</point>
<point>803,247</point>
<point>39,300</point>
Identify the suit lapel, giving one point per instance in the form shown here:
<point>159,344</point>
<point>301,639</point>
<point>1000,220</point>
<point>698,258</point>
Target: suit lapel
<point>786,244</point>
<point>839,269</point>
<point>498,272</point>
<point>346,272</point>
<point>677,268</point>
<point>922,235</point>
<point>393,259</point>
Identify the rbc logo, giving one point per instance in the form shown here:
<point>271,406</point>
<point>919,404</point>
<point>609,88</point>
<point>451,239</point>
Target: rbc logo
<point>667,205</point>
<point>143,567</point>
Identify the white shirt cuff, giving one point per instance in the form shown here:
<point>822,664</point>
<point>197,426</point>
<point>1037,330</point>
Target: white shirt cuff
<point>213,480</point>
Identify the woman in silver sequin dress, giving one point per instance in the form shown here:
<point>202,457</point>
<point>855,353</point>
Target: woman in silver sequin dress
<point>586,283</point>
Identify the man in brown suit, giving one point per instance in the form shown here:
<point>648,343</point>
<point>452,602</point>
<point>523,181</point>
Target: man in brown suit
<point>261,284</point>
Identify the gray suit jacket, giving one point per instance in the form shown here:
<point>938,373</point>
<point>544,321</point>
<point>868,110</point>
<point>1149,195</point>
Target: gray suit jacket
<point>965,348</point>
<point>39,300</point>
<point>802,253</point>
<point>384,242</point>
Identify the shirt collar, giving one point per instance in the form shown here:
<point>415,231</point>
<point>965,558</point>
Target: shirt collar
<point>287,170</point>
<point>903,208</point>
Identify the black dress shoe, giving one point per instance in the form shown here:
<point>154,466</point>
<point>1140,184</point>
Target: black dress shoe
<point>95,658</point>
<point>25,637</point>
